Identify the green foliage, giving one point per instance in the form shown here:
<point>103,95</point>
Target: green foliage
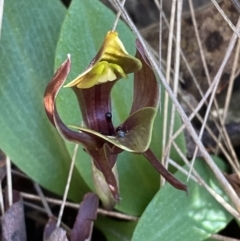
<point>29,35</point>
<point>173,215</point>
<point>115,230</point>
<point>34,36</point>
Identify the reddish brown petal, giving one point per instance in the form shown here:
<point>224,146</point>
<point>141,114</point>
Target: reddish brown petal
<point>163,171</point>
<point>50,95</point>
<point>146,88</point>
<point>87,213</point>
<point>53,88</point>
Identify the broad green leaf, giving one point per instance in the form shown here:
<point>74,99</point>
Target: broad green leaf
<point>116,230</point>
<point>82,34</point>
<point>29,35</point>
<point>173,215</point>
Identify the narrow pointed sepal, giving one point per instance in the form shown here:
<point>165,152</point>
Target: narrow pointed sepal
<point>163,171</point>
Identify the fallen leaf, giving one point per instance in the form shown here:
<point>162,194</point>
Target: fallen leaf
<point>13,222</point>
<point>82,229</point>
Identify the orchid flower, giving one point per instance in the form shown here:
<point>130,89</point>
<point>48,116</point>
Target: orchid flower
<point>100,138</point>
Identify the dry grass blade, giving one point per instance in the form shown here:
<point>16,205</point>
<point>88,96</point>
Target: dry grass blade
<point>44,201</point>
<point>166,97</point>
<point>9,181</point>
<point>160,7</point>
<point>67,186</point>
<point>76,206</point>
<point>117,17</point>
<point>1,200</point>
<point>176,70</point>
<point>1,15</point>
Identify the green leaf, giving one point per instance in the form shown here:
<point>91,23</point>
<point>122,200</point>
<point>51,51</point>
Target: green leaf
<point>115,230</point>
<point>28,41</point>
<point>82,34</point>
<point>173,215</point>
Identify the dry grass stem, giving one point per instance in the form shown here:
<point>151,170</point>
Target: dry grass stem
<point>9,181</point>
<point>44,201</point>
<point>67,186</point>
<point>1,200</point>
<point>1,15</point>
<point>166,97</point>
<point>76,206</point>
<point>117,17</point>
<point>160,6</point>
<point>176,71</point>
<point>35,207</point>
